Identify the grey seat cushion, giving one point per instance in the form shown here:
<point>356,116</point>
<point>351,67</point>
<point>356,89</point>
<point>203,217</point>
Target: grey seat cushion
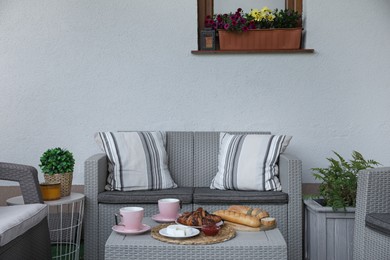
<point>144,197</point>
<point>18,219</point>
<point>379,222</point>
<point>207,195</point>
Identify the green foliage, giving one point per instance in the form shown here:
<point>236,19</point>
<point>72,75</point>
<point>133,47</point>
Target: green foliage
<point>286,19</point>
<point>339,180</point>
<point>57,160</point>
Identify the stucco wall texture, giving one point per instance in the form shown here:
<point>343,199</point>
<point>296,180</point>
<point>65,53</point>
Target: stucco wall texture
<point>71,68</point>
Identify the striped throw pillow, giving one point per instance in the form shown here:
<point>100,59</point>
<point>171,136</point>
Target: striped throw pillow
<point>137,160</point>
<point>249,162</point>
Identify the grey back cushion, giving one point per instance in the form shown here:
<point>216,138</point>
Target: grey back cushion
<point>180,147</point>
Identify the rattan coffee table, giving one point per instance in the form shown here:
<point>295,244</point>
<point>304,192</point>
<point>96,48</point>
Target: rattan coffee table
<point>268,245</point>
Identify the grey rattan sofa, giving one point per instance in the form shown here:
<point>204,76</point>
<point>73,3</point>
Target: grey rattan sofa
<point>372,215</point>
<point>193,158</point>
<point>31,239</point>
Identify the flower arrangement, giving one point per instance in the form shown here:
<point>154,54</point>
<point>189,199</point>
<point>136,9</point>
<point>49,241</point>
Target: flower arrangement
<point>256,19</point>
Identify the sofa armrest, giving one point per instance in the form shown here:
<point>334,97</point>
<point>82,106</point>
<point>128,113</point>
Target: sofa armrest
<point>373,191</point>
<point>27,176</point>
<point>95,176</point>
<point>290,172</point>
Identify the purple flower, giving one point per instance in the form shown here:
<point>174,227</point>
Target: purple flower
<point>245,29</point>
<point>226,26</point>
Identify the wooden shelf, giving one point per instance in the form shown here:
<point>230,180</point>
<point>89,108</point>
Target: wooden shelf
<point>252,51</point>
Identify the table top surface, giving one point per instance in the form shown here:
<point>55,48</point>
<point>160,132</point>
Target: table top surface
<point>73,197</point>
<point>258,239</point>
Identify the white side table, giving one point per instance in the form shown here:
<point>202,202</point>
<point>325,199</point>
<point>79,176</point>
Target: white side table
<point>65,222</point>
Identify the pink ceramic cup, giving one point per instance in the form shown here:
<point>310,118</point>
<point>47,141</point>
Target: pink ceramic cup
<point>169,208</point>
<point>131,217</point>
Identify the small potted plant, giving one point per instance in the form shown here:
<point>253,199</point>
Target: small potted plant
<point>57,164</point>
<point>339,180</point>
<point>257,30</point>
<point>331,217</point>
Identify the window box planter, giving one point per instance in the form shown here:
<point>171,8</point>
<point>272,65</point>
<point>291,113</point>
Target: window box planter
<point>328,233</point>
<point>262,39</point>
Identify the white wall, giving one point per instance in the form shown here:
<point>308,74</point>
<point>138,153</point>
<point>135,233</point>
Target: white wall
<point>228,6</point>
<point>70,68</point>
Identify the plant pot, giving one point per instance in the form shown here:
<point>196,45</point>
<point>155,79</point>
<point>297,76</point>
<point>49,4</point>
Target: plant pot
<point>328,233</point>
<point>50,191</point>
<point>262,39</point>
<point>64,178</point>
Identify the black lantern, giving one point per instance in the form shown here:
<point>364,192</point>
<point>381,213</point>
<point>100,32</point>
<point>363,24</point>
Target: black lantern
<point>207,39</point>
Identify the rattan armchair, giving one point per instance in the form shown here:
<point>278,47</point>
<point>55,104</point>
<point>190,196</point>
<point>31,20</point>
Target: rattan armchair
<point>29,239</point>
<point>372,206</point>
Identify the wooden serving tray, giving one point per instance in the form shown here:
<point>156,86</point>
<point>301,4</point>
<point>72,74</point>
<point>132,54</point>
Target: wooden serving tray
<point>239,227</point>
<point>224,234</point>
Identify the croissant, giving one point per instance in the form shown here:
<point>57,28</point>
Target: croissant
<point>198,217</point>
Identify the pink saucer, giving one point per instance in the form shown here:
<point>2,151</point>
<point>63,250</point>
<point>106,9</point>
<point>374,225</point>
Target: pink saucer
<point>123,230</point>
<point>162,219</point>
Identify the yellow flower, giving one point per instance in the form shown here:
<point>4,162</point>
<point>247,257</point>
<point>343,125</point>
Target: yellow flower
<point>271,17</point>
<point>255,14</point>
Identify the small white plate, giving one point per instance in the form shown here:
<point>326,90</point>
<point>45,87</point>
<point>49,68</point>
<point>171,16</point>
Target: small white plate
<point>220,223</point>
<point>162,219</point>
<point>194,232</point>
<point>124,231</point>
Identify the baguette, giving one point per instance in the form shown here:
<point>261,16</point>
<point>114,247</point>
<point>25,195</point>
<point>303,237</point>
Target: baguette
<point>242,209</point>
<point>239,218</point>
<point>256,212</point>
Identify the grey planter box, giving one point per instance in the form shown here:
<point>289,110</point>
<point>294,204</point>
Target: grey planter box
<point>328,234</point>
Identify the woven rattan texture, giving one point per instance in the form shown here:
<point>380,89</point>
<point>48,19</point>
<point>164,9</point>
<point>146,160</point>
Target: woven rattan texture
<point>372,197</point>
<point>180,146</point>
<point>64,178</point>
<point>213,252</point>
<point>107,219</point>
<point>377,245</point>
<point>224,234</point>
<point>246,245</point>
<point>95,169</point>
<point>27,177</point>
<point>294,215</point>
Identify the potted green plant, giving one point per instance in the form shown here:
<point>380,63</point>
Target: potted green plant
<point>258,30</point>
<point>339,180</point>
<point>329,219</point>
<point>57,164</point>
